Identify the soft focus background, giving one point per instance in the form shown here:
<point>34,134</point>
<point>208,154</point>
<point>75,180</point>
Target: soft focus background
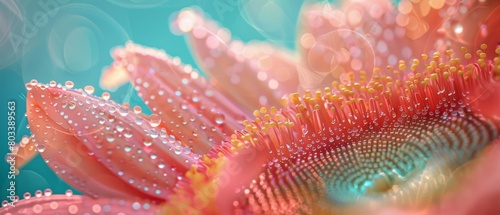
<point>71,40</point>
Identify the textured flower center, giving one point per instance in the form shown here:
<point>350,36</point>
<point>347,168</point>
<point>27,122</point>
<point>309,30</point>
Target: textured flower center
<point>384,142</point>
<point>404,163</point>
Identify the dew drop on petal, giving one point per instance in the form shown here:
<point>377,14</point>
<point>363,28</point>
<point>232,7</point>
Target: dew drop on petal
<point>137,109</point>
<point>154,120</point>
<point>153,133</point>
<point>147,142</point>
<point>136,206</point>
<point>68,193</point>
<point>106,96</point>
<point>73,209</point>
<point>96,208</point>
<point>40,147</point>
<point>69,84</point>
<point>54,205</point>
<point>52,84</point>
<point>27,195</point>
<point>177,150</point>
<point>123,110</point>
<point>110,138</point>
<point>483,30</point>
<point>219,118</point>
<point>37,208</point>
<point>47,192</point>
<point>89,89</point>
<point>72,105</point>
<point>138,120</point>
<point>459,29</point>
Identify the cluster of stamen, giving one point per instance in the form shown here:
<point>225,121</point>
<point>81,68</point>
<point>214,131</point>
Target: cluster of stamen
<point>403,107</point>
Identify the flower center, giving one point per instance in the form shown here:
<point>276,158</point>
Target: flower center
<point>408,164</point>
<point>399,139</point>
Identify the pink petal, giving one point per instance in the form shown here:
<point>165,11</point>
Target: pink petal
<point>478,25</point>
<point>440,25</point>
<point>90,136</point>
<point>239,171</point>
<point>188,106</point>
<point>237,69</point>
<point>70,159</point>
<point>488,102</point>
<point>63,204</point>
<point>114,78</point>
<point>479,192</point>
<point>334,42</point>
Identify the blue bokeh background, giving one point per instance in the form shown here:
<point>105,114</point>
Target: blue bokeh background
<point>71,40</point>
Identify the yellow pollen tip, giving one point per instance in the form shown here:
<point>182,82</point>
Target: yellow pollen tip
<point>424,57</point>
<point>263,110</point>
<point>446,74</point>
<point>273,110</point>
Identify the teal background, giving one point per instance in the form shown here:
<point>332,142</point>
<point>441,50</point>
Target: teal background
<point>75,41</point>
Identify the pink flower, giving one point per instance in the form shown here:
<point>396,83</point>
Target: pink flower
<point>359,138</point>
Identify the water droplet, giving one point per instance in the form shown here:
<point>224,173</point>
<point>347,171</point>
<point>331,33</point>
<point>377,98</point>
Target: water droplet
<point>106,96</point>
<point>69,192</point>
<point>110,138</point>
<point>47,192</point>
<point>154,120</point>
<point>153,156</point>
<point>171,139</point>
<point>163,132</point>
<point>177,150</point>
<point>27,195</point>
<point>148,142</point>
<point>52,84</point>
<point>89,89</point>
<point>128,133</point>
<point>138,120</point>
<point>187,150</point>
<point>102,102</point>
<point>119,127</point>
<point>40,148</point>
<point>219,118</point>
<point>484,30</point>
<point>123,110</point>
<point>69,84</point>
<point>127,149</point>
<point>72,105</point>
<point>137,110</point>
<point>153,133</point>
<point>459,29</point>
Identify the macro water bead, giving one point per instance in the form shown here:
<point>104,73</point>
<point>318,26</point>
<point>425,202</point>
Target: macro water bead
<point>382,108</point>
